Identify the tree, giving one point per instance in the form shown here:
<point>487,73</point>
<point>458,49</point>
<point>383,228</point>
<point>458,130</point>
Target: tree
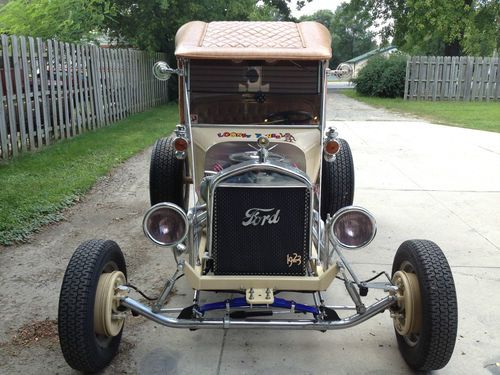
<point>283,7</point>
<point>66,20</point>
<point>265,12</point>
<point>323,16</point>
<point>146,24</point>
<point>349,27</point>
<point>450,27</point>
<point>152,24</point>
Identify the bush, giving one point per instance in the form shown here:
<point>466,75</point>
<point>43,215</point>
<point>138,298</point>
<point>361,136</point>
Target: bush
<point>384,77</point>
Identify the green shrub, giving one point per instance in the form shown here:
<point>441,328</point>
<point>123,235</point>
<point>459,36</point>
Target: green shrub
<point>384,77</point>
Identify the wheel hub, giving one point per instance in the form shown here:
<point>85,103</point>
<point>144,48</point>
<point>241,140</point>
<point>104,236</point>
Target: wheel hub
<point>408,311</point>
<point>108,320</point>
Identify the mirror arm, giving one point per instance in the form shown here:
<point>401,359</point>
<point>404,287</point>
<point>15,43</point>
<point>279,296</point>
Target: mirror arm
<point>162,71</point>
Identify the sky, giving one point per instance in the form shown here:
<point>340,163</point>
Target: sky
<point>315,5</point>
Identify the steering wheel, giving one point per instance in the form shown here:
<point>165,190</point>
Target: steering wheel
<point>289,117</point>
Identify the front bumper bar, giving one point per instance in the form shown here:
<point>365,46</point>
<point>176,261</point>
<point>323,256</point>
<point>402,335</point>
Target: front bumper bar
<point>198,281</point>
<point>290,324</point>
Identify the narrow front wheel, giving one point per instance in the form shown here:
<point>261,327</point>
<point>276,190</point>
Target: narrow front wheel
<point>90,318</point>
<point>425,317</point>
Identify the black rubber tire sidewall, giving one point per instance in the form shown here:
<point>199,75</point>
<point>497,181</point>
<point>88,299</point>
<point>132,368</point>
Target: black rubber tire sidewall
<point>337,181</point>
<point>439,305</point>
<point>166,175</point>
<point>78,341</point>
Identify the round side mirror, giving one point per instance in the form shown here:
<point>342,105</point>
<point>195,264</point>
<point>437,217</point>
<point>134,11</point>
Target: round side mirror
<point>162,70</point>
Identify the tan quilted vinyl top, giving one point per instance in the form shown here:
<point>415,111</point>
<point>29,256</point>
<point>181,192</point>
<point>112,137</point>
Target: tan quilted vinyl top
<point>253,40</point>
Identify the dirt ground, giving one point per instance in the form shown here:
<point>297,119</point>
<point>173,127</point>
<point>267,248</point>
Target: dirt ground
<point>31,274</point>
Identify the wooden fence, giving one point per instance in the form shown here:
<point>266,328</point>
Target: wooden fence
<point>52,90</point>
<point>452,78</point>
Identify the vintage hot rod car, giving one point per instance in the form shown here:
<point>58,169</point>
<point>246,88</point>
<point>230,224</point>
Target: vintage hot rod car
<point>253,194</point>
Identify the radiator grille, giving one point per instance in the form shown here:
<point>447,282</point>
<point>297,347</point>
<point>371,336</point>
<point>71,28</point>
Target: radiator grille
<point>280,246</point>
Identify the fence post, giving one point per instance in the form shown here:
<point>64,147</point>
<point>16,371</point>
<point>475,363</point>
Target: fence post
<point>43,90</point>
<point>36,94</point>
<point>494,79</point>
<point>79,73</point>
<point>119,83</point>
<point>3,124</point>
<point>59,92</point>
<point>437,65</point>
<point>84,72</point>
<point>10,95</point>
<point>19,92</point>
<point>27,94</point>
<point>53,99</point>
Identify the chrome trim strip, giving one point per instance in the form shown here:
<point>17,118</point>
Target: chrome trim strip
<point>227,322</point>
<point>254,165</point>
<point>324,83</point>
<point>187,109</point>
<point>255,186</point>
<point>186,78</point>
<point>319,81</point>
<point>322,249</point>
<point>197,217</point>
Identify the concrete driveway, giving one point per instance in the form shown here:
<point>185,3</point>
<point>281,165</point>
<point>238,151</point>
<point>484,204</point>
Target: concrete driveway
<point>338,85</point>
<point>435,182</point>
<point>420,181</point>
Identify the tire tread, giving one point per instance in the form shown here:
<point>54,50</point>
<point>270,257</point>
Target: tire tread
<point>76,302</point>
<point>165,173</point>
<point>337,181</point>
<point>439,305</point>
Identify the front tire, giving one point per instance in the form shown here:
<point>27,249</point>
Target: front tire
<point>83,348</point>
<point>426,332</point>
<point>337,181</point>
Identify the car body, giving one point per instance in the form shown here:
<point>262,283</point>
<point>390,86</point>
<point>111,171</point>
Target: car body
<point>253,192</point>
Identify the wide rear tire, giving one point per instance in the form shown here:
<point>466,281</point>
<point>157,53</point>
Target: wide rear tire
<point>167,175</point>
<point>82,347</point>
<point>431,345</point>
<point>337,183</point>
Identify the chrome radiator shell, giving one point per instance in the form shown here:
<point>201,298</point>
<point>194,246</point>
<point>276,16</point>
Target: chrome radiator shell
<point>276,231</point>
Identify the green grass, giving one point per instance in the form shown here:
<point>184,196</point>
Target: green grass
<point>35,187</point>
<point>473,115</point>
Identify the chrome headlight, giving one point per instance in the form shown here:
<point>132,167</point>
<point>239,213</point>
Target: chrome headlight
<point>353,227</point>
<point>166,224</point>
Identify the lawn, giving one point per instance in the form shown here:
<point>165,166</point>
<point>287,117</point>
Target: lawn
<point>36,187</point>
<point>473,115</point>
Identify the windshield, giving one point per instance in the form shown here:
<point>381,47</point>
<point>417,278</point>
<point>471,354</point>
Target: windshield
<point>255,92</point>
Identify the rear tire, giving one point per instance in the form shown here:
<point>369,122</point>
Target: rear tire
<point>83,349</point>
<point>432,346</point>
<point>167,175</point>
<point>337,183</point>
